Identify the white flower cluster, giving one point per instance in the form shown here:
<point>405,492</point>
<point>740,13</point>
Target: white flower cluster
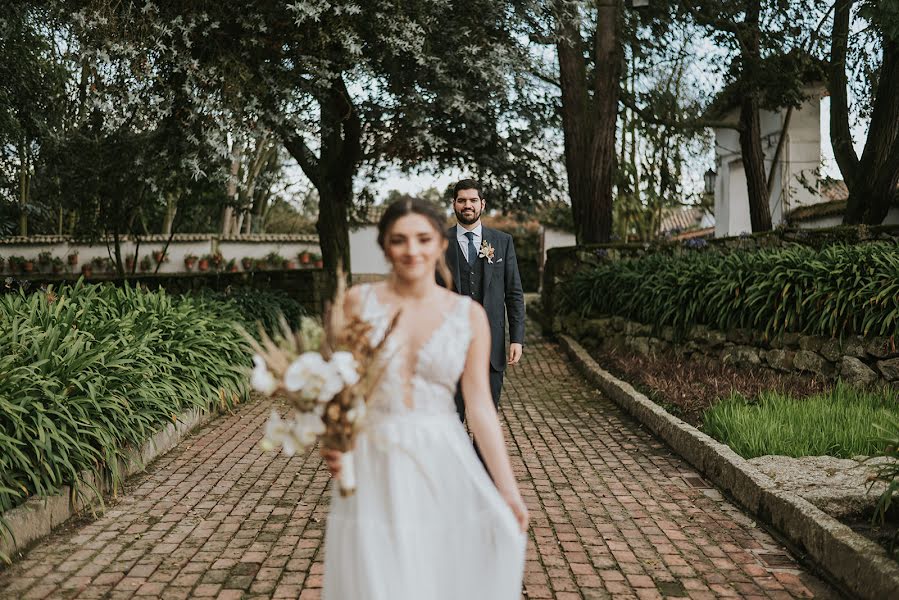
<point>315,380</point>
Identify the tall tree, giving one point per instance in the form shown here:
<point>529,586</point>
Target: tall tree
<point>589,111</point>
<point>872,179</point>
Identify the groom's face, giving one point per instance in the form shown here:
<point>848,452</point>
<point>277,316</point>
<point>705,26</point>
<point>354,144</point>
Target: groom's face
<point>468,206</point>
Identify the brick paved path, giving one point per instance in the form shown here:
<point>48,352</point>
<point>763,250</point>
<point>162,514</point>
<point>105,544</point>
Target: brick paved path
<point>614,514</point>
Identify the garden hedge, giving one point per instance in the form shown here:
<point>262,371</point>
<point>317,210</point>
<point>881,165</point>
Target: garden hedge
<point>831,291</point>
<point>89,370</point>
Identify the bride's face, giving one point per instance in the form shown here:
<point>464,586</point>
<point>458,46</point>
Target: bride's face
<point>413,246</point>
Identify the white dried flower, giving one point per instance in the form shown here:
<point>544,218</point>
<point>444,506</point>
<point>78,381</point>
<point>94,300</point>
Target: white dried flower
<point>262,379</point>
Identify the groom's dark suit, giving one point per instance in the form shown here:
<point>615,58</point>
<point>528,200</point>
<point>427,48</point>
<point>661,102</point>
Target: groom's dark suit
<point>497,287</point>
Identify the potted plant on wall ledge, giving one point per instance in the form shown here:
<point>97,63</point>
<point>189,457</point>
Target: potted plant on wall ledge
<point>231,266</point>
<point>87,270</point>
<point>305,257</point>
<point>217,260</point>
<point>189,261</point>
<point>72,258</point>
<point>57,265</point>
<point>203,264</point>
<point>99,264</point>
<point>317,259</point>
<point>129,263</point>
<point>146,264</point>
<point>27,265</point>
<point>13,263</point>
<point>247,263</point>
<point>44,259</point>
<point>274,260</point>
<point>160,257</point>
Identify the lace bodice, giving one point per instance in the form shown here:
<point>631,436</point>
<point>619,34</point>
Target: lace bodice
<point>437,368</point>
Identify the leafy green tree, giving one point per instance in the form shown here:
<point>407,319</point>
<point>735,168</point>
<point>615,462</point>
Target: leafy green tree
<point>348,85</point>
<point>32,83</point>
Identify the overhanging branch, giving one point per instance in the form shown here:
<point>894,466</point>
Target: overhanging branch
<point>688,124</point>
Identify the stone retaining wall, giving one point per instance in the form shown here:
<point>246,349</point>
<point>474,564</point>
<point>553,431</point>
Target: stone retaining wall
<point>854,359</point>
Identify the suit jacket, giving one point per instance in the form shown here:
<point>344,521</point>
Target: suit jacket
<point>502,290</point>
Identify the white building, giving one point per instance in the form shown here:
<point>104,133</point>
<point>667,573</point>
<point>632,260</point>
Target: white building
<point>795,182</point>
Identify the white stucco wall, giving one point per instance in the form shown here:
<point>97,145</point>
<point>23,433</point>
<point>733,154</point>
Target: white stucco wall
<point>552,238</point>
<point>366,256</point>
<point>198,245</point>
<point>892,218</point>
<point>800,156</point>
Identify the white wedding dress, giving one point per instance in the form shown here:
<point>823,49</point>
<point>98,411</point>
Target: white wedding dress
<point>426,521</point>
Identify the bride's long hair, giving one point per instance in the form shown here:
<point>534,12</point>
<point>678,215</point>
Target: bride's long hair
<point>417,206</point>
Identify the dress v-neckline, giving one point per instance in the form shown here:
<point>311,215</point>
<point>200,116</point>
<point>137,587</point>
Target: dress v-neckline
<point>384,308</point>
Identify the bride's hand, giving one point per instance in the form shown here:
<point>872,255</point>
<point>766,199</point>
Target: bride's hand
<point>516,503</point>
<point>332,459</point>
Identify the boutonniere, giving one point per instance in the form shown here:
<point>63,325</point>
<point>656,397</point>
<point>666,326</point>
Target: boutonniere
<point>487,251</point>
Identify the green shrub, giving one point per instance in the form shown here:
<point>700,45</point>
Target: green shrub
<point>252,306</point>
<point>888,473</point>
<point>839,289</point>
<point>87,371</point>
<point>842,423</point>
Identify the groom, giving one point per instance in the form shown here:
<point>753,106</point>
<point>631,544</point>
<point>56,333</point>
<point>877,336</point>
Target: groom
<point>483,265</point>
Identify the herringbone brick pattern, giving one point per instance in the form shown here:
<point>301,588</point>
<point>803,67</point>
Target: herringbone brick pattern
<point>614,514</point>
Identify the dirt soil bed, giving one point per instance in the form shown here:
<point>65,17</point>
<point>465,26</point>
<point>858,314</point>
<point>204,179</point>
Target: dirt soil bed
<point>687,387</point>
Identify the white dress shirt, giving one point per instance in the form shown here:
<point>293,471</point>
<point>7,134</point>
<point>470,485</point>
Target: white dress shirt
<point>463,239</point>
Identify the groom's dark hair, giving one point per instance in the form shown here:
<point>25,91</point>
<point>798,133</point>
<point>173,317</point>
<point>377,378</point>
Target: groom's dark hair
<point>467,184</point>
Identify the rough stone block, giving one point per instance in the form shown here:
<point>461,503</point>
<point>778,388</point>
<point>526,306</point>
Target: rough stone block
<point>811,343</point>
<point>855,372</point>
<point>806,360</point>
<point>781,360</point>
<point>881,347</point>
<point>831,350</point>
<point>889,369</point>
<point>741,356</point>
<point>855,345</point>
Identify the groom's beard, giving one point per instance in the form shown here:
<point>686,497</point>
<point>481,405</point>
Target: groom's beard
<point>471,218</point>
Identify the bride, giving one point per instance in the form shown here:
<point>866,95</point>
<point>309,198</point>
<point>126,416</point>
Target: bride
<point>426,521</point>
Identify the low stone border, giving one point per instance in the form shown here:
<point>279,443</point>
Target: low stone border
<point>39,516</point>
<point>855,562</point>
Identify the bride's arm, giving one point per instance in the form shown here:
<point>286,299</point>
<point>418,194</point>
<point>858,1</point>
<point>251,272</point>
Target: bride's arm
<point>482,418</point>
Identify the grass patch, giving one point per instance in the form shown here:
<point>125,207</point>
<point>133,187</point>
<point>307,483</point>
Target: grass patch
<point>842,422</point>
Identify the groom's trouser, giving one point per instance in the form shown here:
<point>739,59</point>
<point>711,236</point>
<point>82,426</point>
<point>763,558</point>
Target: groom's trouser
<point>496,388</point>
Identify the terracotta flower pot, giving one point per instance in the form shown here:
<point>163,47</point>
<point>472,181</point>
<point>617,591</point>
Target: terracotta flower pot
<point>319,264</point>
<point>73,259</point>
<point>291,265</point>
<point>189,264</point>
<point>203,265</point>
<point>57,269</point>
<point>87,270</point>
<point>246,263</point>
<point>305,258</point>
<point>28,266</point>
<point>233,269</point>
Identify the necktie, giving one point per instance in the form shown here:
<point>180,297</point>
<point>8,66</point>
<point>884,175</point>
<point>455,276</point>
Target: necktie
<point>472,251</point>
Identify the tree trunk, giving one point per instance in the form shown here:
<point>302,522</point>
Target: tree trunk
<point>589,125</point>
<point>232,193</point>
<point>874,188</point>
<point>608,61</point>
<point>171,209</point>
<point>24,184</point>
<point>332,173</point>
<point>750,132</point>
<point>754,164</point>
<point>840,133</point>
